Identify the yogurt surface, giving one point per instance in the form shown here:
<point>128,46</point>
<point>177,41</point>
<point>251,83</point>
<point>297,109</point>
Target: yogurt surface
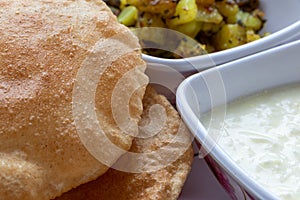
<point>261,133</point>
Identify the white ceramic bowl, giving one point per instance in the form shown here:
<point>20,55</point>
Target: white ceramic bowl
<point>283,22</point>
<point>217,86</point>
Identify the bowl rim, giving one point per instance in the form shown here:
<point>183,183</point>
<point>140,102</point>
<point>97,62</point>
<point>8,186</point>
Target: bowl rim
<point>196,127</point>
<point>279,37</point>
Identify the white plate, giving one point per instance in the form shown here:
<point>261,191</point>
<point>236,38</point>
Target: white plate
<point>202,185</point>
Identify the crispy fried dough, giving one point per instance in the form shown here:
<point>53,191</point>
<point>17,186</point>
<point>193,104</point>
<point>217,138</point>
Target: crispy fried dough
<point>43,44</point>
<point>163,184</point>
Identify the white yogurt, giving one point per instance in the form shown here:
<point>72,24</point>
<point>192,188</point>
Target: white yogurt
<point>262,134</point>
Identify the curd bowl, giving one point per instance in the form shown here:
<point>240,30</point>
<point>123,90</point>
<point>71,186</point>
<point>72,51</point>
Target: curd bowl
<point>216,88</point>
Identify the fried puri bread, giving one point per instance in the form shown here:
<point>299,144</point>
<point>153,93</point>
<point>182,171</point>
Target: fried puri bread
<point>49,52</point>
<point>164,184</point>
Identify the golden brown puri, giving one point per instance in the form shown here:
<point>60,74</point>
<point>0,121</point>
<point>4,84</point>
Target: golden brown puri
<point>163,184</point>
<point>43,44</point>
